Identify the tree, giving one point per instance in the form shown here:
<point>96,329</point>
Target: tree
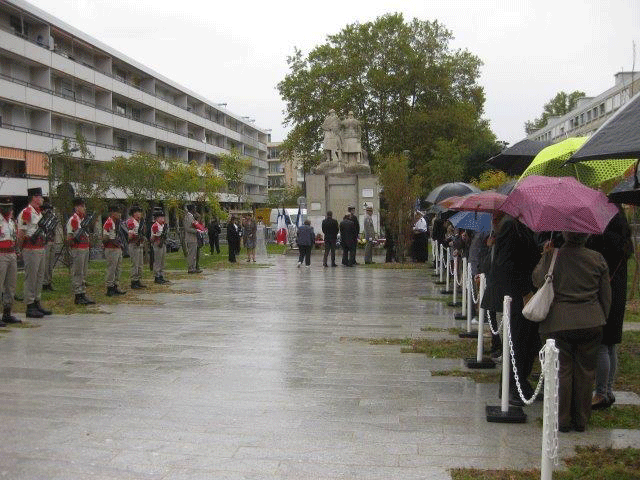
<point>234,167</point>
<point>403,81</point>
<point>490,179</point>
<point>140,177</point>
<point>399,192</point>
<point>287,197</point>
<point>559,105</point>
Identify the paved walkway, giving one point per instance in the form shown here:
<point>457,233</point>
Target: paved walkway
<point>253,375</point>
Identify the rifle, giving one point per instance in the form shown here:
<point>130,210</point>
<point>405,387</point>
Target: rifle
<point>141,231</point>
<point>46,224</point>
<point>87,221</point>
<point>163,235</point>
<point>122,234</point>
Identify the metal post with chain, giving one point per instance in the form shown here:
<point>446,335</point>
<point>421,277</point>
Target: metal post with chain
<point>480,362</point>
<point>550,360</point>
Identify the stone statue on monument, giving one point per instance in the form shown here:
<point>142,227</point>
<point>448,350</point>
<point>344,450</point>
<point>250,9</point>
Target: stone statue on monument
<point>332,144</point>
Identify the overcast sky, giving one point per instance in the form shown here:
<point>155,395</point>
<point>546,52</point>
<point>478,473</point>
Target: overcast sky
<point>235,51</point>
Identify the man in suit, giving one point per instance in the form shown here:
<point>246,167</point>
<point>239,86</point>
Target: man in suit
<point>330,230</point>
<point>348,241</point>
<point>214,234</point>
<point>233,239</point>
<point>354,219</point>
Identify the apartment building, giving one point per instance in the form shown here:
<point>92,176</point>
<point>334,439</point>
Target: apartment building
<point>56,81</point>
<point>282,174</point>
<point>590,112</point>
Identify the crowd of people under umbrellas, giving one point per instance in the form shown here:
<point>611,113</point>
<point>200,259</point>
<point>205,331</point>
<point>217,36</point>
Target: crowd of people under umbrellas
<point>586,316</point>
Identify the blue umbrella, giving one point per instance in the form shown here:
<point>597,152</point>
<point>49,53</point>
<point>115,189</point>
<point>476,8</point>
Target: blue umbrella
<point>478,221</point>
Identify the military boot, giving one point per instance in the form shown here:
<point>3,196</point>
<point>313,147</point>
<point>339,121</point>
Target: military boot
<point>81,300</point>
<point>33,311</point>
<point>117,291</point>
<point>111,291</point>
<point>7,317</point>
<point>43,310</point>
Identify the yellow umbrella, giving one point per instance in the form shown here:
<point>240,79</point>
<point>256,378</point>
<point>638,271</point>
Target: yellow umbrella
<point>550,162</point>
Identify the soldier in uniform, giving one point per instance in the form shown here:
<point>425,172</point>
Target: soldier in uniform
<point>191,238</point>
<point>158,237</point>
<point>8,260</point>
<point>32,253</point>
<point>78,239</point>
<point>49,254</point>
<point>136,248</point>
<point>112,251</point>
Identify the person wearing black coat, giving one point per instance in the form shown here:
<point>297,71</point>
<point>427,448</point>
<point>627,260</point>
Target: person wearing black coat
<point>515,256</point>
<point>348,240</point>
<point>214,235</point>
<point>330,229</point>
<point>354,218</point>
<point>233,239</point>
<point>616,247</point>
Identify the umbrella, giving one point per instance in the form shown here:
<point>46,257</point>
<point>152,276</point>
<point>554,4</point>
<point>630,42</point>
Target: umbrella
<point>547,204</point>
<point>487,201</point>
<point>507,186</point>
<point>447,190</point>
<point>551,162</point>
<point>627,191</point>
<point>448,202</point>
<point>478,221</point>
<point>515,159</point>
<point>618,137</point>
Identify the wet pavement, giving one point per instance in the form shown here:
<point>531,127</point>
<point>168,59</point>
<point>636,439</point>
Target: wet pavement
<point>256,373</point>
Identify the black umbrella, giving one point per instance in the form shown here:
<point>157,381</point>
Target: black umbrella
<point>515,159</point>
<point>447,190</point>
<point>618,137</point>
<point>627,191</point>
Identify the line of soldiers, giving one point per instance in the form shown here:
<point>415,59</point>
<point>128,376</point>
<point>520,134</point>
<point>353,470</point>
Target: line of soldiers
<point>31,236</point>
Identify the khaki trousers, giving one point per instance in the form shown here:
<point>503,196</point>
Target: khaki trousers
<point>192,250</point>
<point>158,260</point>
<point>33,274</point>
<point>79,258</point>
<point>8,276</point>
<point>113,257</point>
<point>368,252</point>
<point>136,253</point>
<point>49,257</point>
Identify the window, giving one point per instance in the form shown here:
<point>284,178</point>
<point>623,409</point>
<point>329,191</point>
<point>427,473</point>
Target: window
<point>161,151</point>
<point>602,109</point>
<point>19,27</point>
<point>135,113</point>
<point>121,144</point>
<point>120,74</point>
<point>121,108</point>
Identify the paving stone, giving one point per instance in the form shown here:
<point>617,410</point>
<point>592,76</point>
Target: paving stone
<point>255,374</point>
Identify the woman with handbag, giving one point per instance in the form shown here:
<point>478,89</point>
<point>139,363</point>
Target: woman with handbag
<point>581,303</point>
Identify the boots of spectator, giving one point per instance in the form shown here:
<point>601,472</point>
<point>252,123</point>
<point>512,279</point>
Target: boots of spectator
<point>33,311</point>
<point>7,317</point>
<point>43,310</point>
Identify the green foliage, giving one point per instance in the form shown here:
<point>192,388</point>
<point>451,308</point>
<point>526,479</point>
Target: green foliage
<point>233,167</point>
<point>490,179</point>
<point>287,197</point>
<point>559,105</point>
<point>404,82</point>
<point>622,416</point>
<point>140,177</point>
<point>72,172</point>
<point>400,191</point>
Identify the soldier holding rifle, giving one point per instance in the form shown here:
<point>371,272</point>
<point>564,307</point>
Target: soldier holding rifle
<point>78,238</point>
<point>49,251</point>
<point>159,231</point>
<point>32,231</point>
<point>135,231</point>
<point>8,260</point>
<point>113,250</point>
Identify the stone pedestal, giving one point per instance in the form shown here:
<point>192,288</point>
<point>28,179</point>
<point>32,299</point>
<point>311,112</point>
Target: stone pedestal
<point>337,191</point>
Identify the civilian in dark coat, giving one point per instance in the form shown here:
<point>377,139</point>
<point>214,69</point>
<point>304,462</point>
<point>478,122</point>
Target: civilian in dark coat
<point>354,218</point>
<point>330,229</point>
<point>306,239</point>
<point>214,235</point>
<point>515,256</point>
<point>616,247</point>
<point>348,241</point>
<point>233,239</point>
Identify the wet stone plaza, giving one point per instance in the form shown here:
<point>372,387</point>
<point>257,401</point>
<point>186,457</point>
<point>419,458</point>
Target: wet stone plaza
<point>256,373</point>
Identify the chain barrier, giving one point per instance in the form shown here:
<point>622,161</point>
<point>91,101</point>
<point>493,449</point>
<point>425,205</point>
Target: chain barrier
<point>497,331</point>
<point>471,288</point>
<point>550,434</point>
<point>456,280</point>
<point>515,373</point>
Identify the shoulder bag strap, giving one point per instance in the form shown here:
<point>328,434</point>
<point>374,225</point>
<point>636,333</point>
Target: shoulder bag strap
<point>553,262</point>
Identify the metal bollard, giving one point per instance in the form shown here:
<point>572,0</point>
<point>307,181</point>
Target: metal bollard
<point>550,410</point>
<point>480,361</point>
<point>465,286</point>
<point>505,413</point>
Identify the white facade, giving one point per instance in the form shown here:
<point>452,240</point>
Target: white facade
<point>56,80</point>
<point>590,112</point>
